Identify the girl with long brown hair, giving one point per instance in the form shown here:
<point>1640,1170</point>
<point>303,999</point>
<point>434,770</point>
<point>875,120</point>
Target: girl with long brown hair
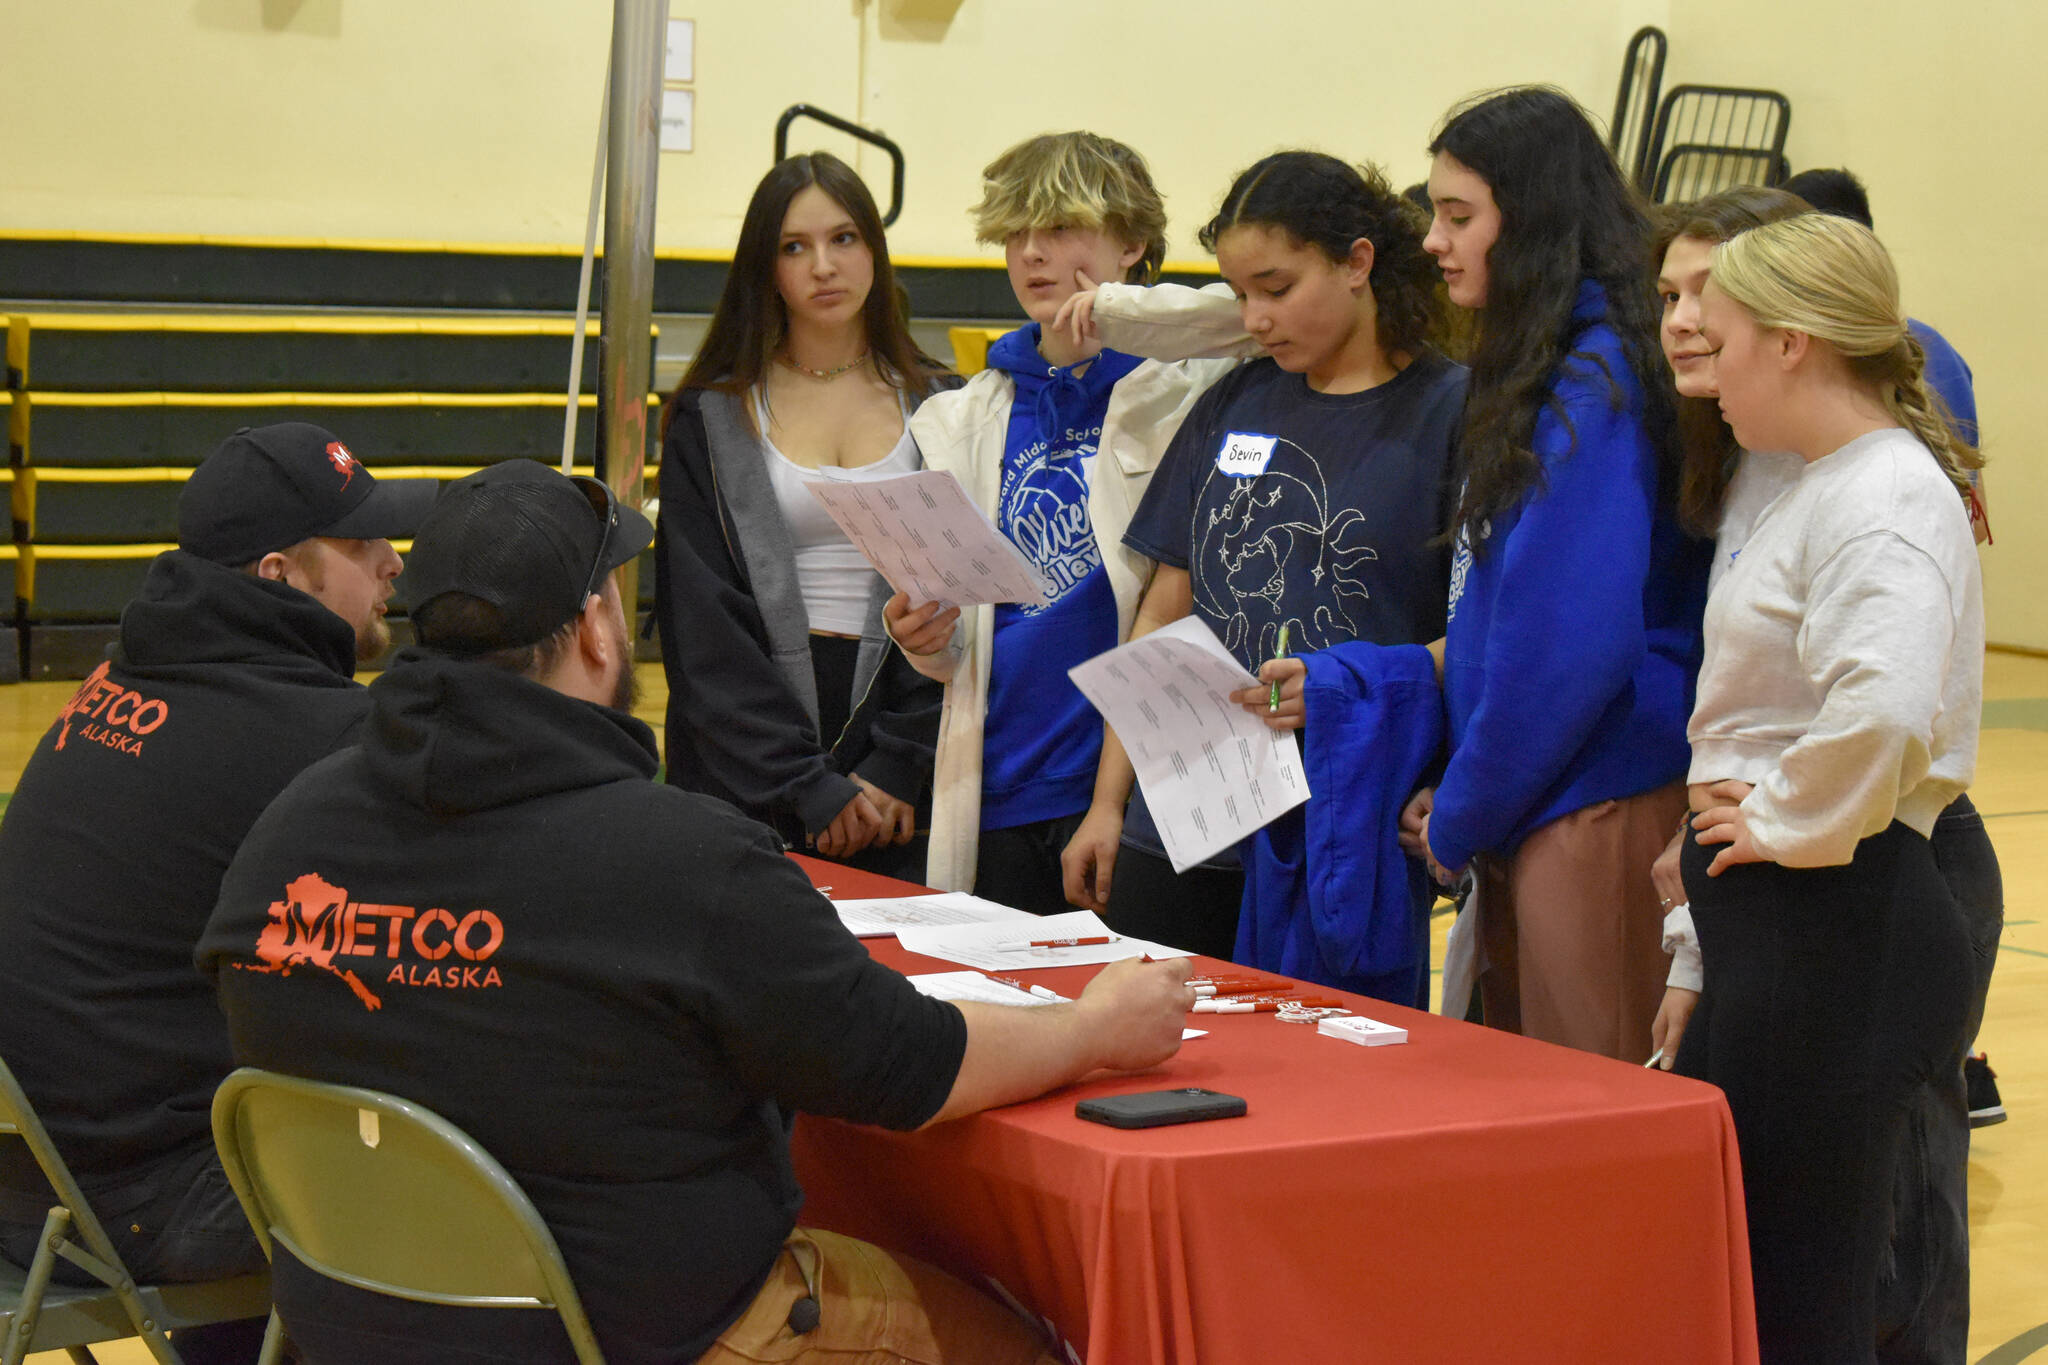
<point>785,696</point>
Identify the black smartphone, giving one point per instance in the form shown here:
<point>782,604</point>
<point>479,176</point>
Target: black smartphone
<point>1151,1108</point>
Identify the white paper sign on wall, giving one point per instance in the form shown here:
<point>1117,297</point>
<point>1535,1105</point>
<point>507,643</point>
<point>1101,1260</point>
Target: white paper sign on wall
<point>678,120</point>
<point>680,61</point>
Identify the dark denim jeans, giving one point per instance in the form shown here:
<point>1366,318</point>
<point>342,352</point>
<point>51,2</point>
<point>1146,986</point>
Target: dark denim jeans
<point>1923,1298</point>
<point>177,1223</point>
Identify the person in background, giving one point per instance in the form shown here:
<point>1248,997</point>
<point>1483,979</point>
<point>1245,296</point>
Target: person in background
<point>234,670</point>
<point>784,695</point>
<point>1839,192</point>
<point>1837,717</point>
<point>1574,631</point>
<point>639,965</point>
<point>1056,442</point>
<point>1924,1299</point>
<point>1328,533</point>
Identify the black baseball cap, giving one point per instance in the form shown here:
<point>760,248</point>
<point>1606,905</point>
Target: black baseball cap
<point>529,541</point>
<point>268,488</point>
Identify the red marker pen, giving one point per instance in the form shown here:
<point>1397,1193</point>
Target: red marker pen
<point>1059,943</point>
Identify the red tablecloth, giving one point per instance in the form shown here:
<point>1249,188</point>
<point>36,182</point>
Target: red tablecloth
<point>1468,1196</point>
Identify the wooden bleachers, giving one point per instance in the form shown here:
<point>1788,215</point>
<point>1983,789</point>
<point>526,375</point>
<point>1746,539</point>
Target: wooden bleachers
<point>108,411</point>
<point>130,356</point>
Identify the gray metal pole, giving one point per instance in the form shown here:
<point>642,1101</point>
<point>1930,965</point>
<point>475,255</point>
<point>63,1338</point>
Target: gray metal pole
<point>639,34</point>
<point>576,342</point>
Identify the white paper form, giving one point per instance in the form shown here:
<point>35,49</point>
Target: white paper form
<point>974,986</point>
<point>997,947</point>
<point>925,535</point>
<point>881,916</point>
<point>1211,771</point>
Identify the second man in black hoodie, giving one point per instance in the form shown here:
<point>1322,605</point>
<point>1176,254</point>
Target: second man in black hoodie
<point>233,671</point>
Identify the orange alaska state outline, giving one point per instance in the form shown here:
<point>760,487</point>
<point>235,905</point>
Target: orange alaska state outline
<point>304,929</point>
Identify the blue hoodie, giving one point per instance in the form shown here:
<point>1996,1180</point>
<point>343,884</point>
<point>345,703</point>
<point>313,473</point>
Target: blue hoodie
<point>1574,639</point>
<point>1329,896</point>
<point>1041,740</point>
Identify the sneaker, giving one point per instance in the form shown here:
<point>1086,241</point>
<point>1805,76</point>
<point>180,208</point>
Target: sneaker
<point>1982,1084</point>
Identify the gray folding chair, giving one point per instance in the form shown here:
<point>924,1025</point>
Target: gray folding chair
<point>36,1315</point>
<point>331,1173</point>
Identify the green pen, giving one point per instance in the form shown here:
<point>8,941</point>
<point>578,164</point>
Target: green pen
<point>1273,694</point>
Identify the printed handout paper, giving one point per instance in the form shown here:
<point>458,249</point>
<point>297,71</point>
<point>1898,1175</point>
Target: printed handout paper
<point>925,535</point>
<point>1211,771</point>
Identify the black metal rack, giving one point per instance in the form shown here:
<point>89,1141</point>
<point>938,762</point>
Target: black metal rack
<point>1635,101</point>
<point>1709,138</point>
<point>851,129</point>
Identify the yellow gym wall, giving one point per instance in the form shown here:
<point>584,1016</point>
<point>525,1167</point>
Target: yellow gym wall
<point>1941,116</point>
<point>475,121</point>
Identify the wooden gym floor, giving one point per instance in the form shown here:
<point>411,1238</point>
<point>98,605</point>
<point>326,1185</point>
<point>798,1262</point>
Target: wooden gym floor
<point>2008,1173</point>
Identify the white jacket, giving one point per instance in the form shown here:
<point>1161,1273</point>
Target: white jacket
<point>964,432</point>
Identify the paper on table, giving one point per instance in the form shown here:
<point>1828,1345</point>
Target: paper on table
<point>1211,771</point>
<point>980,945</point>
<point>879,916</point>
<point>925,535</point>
<point>972,986</point>
<point>978,988</point>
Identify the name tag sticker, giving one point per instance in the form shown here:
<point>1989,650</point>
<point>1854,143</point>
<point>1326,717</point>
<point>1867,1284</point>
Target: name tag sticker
<point>1245,453</point>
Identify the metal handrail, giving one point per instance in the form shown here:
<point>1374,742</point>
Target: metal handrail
<point>1646,48</point>
<point>851,129</point>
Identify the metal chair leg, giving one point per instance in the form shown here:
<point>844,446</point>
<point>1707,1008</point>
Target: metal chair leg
<point>22,1333</point>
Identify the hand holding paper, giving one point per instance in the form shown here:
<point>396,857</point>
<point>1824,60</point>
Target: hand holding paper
<point>1211,770</point>
<point>925,535</point>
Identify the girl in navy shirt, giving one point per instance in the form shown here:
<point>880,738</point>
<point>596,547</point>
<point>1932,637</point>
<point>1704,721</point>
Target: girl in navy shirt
<point>1307,490</point>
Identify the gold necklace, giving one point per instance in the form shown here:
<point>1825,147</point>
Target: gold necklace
<point>833,373</point>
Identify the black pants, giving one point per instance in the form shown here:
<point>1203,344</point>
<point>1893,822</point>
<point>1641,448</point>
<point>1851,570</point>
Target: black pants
<point>1923,1303</point>
<point>834,660</point>
<point>1020,865</point>
<point>177,1223</point>
<point>1195,910</point>
<point>1830,994</point>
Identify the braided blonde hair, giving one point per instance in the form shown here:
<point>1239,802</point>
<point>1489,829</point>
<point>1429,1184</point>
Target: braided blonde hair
<point>1832,279</point>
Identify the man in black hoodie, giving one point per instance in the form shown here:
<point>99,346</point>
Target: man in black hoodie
<point>619,988</point>
<point>232,672</point>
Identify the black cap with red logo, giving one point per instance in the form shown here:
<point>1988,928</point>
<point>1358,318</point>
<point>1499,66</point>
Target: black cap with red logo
<point>528,542</point>
<point>268,488</point>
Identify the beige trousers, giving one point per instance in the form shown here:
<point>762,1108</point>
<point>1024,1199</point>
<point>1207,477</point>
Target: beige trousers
<point>875,1308</point>
<point>1572,929</point>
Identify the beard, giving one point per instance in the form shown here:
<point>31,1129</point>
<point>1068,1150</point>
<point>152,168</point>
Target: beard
<point>373,637</point>
<point>626,690</point>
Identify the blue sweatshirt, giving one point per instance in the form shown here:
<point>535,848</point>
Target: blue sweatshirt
<point>1329,896</point>
<point>1041,739</point>
<point>1949,375</point>
<point>1574,639</point>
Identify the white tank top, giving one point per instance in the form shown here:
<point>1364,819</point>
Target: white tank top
<point>835,579</point>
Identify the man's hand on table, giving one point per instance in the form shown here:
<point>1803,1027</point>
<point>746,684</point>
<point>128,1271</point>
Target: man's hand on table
<point>1137,1010</point>
<point>1130,1017</point>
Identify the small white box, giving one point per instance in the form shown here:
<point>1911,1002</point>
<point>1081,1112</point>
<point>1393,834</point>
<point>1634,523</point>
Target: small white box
<point>1356,1028</point>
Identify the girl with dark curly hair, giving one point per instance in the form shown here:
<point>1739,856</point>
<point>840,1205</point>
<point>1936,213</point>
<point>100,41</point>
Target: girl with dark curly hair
<point>1303,500</point>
